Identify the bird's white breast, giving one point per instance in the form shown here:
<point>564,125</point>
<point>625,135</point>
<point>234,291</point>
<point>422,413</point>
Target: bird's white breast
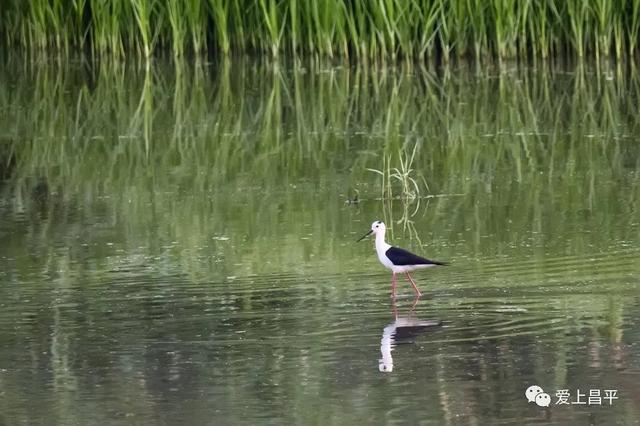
<point>381,250</point>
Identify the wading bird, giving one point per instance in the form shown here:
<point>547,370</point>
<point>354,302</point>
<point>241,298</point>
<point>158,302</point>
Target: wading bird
<point>400,261</point>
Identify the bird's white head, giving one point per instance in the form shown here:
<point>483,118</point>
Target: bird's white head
<point>377,227</point>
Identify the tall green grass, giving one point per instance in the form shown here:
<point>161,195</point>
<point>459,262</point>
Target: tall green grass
<point>439,30</point>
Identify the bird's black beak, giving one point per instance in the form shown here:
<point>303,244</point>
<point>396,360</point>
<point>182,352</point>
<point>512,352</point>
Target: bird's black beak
<point>365,235</point>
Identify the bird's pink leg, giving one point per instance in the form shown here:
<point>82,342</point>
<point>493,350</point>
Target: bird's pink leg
<point>394,308</point>
<point>393,285</point>
<point>415,287</point>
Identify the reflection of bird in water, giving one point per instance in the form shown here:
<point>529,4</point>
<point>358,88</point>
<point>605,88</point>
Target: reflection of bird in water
<point>400,261</point>
<point>402,330</point>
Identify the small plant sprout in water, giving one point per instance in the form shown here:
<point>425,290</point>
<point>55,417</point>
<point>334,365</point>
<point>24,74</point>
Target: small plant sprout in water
<point>404,176</point>
<point>401,183</point>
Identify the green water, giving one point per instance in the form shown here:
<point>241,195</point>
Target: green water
<point>176,246</point>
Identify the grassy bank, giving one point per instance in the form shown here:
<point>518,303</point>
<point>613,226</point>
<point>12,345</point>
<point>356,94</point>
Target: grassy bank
<point>438,30</point>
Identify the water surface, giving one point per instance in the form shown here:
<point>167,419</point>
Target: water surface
<point>177,247</point>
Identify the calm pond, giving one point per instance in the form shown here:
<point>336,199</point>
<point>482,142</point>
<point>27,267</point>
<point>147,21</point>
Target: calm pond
<point>177,245</point>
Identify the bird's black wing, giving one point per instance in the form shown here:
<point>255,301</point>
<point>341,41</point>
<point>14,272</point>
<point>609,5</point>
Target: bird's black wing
<point>402,257</point>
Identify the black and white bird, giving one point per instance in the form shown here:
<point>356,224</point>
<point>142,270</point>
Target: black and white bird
<point>400,261</point>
